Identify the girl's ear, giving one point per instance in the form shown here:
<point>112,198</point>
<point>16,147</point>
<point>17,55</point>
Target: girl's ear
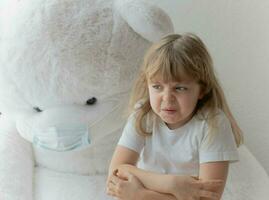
<point>201,95</point>
<point>202,92</point>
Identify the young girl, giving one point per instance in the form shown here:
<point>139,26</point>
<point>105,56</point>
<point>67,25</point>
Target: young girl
<point>181,135</point>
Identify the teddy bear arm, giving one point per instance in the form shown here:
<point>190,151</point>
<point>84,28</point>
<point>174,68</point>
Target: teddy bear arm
<point>17,164</point>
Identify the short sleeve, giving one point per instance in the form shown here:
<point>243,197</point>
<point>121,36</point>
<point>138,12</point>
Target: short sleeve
<point>222,147</point>
<point>130,138</point>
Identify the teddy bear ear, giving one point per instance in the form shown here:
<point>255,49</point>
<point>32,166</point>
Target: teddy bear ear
<point>148,20</point>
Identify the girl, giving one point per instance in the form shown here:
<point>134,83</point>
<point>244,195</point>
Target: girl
<point>181,135</point>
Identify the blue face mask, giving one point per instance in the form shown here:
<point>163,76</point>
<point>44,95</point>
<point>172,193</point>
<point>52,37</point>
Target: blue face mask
<point>62,137</point>
<point>72,128</point>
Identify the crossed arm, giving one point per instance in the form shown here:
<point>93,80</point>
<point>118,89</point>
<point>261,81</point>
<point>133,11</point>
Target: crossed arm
<point>148,185</point>
<point>124,160</point>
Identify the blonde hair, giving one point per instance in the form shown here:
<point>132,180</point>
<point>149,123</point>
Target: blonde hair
<point>171,57</point>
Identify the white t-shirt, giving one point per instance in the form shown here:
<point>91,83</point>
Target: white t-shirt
<point>180,151</point>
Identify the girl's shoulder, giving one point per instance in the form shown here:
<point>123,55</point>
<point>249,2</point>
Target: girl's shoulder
<point>148,120</point>
<point>217,115</point>
<point>214,120</point>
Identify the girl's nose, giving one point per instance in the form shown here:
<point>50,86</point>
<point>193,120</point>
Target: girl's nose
<point>168,96</point>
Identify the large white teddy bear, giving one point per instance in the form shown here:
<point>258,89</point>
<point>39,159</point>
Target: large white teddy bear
<point>66,72</point>
<point>66,69</point>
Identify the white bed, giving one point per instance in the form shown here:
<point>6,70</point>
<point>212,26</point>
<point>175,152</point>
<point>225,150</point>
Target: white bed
<point>21,180</point>
<point>247,181</point>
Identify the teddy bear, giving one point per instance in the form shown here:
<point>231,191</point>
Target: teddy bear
<point>66,71</point>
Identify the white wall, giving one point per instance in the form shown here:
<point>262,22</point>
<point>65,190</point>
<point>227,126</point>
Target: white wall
<point>237,35</point>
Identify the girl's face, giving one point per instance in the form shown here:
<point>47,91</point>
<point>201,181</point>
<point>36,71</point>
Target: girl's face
<point>174,102</point>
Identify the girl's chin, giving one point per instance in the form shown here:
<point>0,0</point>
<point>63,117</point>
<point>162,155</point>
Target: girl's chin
<point>169,117</point>
<point>173,121</point>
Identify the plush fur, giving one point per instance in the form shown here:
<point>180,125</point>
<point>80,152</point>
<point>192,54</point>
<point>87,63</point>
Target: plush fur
<point>55,55</point>
<point>65,52</point>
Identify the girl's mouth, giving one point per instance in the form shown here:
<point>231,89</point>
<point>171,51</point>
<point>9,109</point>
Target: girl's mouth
<point>169,110</point>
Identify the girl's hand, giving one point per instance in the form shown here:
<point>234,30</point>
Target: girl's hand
<point>187,187</point>
<point>128,187</point>
<point>123,170</point>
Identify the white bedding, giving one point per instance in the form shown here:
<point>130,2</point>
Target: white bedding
<point>247,181</point>
<point>51,185</point>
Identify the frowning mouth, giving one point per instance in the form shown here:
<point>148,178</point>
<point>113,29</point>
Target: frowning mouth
<point>169,110</point>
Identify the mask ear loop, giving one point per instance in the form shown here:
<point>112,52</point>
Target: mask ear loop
<point>110,115</point>
<point>115,99</point>
<point>104,116</point>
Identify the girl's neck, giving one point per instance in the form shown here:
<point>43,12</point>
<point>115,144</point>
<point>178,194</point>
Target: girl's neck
<point>179,125</point>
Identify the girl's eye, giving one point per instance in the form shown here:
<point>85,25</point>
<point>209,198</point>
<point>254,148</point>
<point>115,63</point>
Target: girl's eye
<point>157,87</point>
<point>181,88</point>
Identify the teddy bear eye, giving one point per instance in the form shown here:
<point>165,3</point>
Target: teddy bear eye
<point>37,109</point>
<point>91,101</point>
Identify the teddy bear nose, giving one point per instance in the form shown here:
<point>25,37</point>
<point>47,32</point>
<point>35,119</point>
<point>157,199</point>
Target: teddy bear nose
<point>37,109</point>
<point>91,101</point>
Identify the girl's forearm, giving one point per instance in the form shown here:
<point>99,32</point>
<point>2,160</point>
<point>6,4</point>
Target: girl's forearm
<point>153,181</point>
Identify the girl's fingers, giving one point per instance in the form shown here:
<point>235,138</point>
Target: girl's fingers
<point>208,194</point>
<point>195,177</point>
<point>123,175</point>
<point>115,172</point>
<point>120,175</point>
<point>212,182</point>
<point>205,187</point>
<point>208,184</point>
<point>110,189</point>
<point>115,179</point>
<point>110,193</point>
<point>111,186</point>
